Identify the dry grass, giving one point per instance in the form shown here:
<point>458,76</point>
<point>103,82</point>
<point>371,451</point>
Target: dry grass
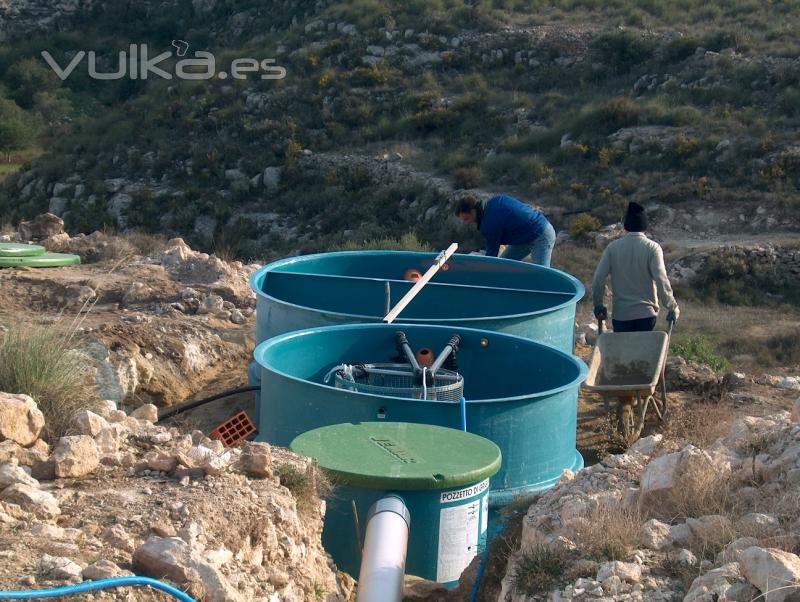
<point>308,485</point>
<point>537,570</point>
<point>39,361</point>
<point>700,424</point>
<point>610,532</point>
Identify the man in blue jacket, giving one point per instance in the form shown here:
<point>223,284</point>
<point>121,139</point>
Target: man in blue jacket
<point>504,220</point>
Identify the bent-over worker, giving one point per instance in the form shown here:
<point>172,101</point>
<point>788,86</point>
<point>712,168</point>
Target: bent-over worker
<point>505,220</point>
<point>638,278</point>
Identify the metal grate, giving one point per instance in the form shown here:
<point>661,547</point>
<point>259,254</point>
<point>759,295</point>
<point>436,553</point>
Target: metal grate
<point>398,380</point>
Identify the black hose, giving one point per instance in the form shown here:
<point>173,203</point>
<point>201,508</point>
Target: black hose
<point>200,402</point>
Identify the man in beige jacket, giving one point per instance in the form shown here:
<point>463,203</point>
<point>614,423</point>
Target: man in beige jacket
<point>638,278</point>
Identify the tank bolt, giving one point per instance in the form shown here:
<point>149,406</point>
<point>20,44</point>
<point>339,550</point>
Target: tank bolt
<point>484,342</point>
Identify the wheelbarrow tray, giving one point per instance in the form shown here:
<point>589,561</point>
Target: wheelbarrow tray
<point>624,363</point>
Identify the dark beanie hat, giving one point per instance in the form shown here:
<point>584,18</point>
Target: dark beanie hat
<point>635,218</point>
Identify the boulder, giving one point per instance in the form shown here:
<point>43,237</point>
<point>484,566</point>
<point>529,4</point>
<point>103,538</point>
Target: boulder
<point>12,474</point>
<point>796,410</point>
<point>715,584</point>
<point>664,477</point>
<point>176,560</point>
<point>21,421</point>
<point>655,534</point>
<point>88,423</point>
<point>147,412</point>
<point>626,571</point>
<point>41,227</point>
<point>775,572</point>
<point>256,460</point>
<point>75,456</point>
<point>32,499</point>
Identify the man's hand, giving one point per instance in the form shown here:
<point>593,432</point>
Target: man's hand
<point>672,315</point>
<point>601,312</point>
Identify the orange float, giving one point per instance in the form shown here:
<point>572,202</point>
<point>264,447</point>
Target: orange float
<point>425,357</point>
<point>412,275</point>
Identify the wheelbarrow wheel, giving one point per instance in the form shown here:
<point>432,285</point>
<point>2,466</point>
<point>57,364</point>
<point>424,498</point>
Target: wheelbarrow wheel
<point>630,420</point>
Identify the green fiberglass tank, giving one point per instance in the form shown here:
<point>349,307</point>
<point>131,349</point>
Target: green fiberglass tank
<point>442,475</point>
<point>519,394</point>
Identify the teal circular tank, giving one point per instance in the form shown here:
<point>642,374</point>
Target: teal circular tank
<point>445,493</point>
<point>521,395</point>
<point>473,291</point>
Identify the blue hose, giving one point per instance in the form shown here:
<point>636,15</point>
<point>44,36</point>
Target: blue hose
<point>90,586</point>
<point>464,414</point>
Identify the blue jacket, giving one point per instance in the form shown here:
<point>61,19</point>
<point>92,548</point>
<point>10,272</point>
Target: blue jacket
<point>504,220</point>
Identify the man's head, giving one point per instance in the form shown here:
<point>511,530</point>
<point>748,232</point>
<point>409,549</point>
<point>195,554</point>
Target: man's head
<point>467,208</point>
<point>635,218</point>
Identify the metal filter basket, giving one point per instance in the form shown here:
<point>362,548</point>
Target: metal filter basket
<point>398,380</point>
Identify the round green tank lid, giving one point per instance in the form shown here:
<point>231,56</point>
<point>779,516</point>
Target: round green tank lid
<point>45,260</point>
<point>12,249</point>
<point>397,455</point>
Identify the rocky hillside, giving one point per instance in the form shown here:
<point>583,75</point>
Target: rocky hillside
<point>385,108</point>
<point>122,495</point>
<point>658,523</point>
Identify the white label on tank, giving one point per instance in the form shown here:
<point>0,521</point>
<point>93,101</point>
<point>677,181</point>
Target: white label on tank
<point>458,539</point>
<point>462,494</point>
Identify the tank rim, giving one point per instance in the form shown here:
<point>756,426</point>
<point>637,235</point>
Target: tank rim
<point>258,276</point>
<point>261,349</point>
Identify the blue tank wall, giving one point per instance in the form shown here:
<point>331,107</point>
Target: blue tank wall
<point>520,394</point>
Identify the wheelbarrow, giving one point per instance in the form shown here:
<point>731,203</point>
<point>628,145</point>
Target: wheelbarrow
<point>627,369</point>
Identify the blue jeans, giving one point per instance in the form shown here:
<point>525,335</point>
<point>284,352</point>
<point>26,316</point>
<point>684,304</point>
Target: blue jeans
<point>540,249</point>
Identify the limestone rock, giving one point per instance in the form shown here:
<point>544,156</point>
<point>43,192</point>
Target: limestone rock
<point>89,423</point>
<point>104,569</point>
<point>21,421</point>
<point>147,412</point>
<point>626,571</point>
<point>655,534</point>
<point>75,456</point>
<point>175,559</point>
<point>661,480</point>
<point>60,568</point>
<point>32,499</point>
<point>256,460</point>
<point>40,227</point>
<point>119,538</point>
<point>137,292</point>
<point>775,572</point>
<point>715,584</point>
<point>12,474</point>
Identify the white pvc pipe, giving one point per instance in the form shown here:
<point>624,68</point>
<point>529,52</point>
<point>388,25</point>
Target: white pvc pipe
<point>440,260</point>
<point>383,563</point>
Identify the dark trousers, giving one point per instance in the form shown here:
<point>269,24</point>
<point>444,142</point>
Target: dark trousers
<point>643,325</point>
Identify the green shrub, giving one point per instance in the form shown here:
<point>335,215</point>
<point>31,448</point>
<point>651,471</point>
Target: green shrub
<point>40,361</point>
<point>407,242</point>
<point>623,49</point>
<point>699,349</point>
<point>584,224</point>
